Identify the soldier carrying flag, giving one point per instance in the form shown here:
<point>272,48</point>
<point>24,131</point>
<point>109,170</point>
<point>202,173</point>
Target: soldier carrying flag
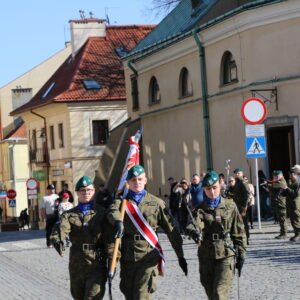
<point>141,254</point>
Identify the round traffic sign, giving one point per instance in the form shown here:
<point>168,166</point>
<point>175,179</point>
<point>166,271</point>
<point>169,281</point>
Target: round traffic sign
<point>254,111</point>
<point>32,183</point>
<point>11,194</point>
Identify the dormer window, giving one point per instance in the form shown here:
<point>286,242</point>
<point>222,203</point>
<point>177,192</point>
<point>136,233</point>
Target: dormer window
<point>49,89</point>
<point>91,84</point>
<point>195,3</point>
<point>121,51</point>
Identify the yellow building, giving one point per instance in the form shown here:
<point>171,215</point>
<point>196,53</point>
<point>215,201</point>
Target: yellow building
<point>187,83</point>
<point>15,172</point>
<point>14,162</point>
<point>70,119</point>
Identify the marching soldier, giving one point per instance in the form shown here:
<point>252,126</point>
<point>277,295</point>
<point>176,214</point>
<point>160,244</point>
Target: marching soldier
<point>85,225</point>
<point>292,194</point>
<point>276,188</point>
<point>141,254</point>
<point>218,229</point>
<point>242,197</point>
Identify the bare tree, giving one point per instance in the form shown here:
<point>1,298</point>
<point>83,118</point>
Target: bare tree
<point>162,7</point>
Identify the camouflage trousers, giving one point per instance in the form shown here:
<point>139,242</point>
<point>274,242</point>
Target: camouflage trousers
<point>138,279</point>
<point>87,281</point>
<point>216,276</point>
<point>294,213</point>
<point>280,212</point>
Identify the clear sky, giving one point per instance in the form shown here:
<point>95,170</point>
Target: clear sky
<point>33,30</point>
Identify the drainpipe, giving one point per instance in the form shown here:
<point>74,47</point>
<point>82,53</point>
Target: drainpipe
<point>203,76</point>
<point>132,68</point>
<point>135,72</point>
<point>46,145</point>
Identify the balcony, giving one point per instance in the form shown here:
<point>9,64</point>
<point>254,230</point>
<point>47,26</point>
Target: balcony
<point>37,155</point>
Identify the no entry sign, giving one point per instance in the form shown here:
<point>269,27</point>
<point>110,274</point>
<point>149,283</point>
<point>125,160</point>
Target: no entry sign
<point>11,194</point>
<point>32,183</point>
<point>254,111</point>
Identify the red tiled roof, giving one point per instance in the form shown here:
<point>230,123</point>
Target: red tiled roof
<point>98,60</point>
<point>20,132</point>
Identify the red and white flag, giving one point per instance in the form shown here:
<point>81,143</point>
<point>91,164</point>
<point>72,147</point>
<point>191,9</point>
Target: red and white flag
<point>133,157</point>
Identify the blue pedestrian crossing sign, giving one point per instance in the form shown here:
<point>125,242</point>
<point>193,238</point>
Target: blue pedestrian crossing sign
<point>12,202</point>
<point>256,147</point>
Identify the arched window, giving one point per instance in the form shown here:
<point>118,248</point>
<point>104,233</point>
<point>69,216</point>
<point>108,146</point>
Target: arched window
<point>185,85</point>
<point>228,69</point>
<point>154,93</point>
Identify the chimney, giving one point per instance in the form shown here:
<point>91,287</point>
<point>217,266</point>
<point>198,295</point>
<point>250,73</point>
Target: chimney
<point>82,29</point>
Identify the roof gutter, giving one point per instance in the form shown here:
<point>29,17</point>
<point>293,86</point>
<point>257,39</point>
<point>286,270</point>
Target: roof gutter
<point>203,78</point>
<point>46,144</point>
<point>131,67</point>
<point>16,140</point>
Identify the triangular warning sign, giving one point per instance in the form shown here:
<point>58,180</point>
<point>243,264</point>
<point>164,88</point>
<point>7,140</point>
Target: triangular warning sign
<point>256,148</point>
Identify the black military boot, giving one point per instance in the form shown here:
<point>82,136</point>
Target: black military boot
<point>281,237</point>
<point>295,238</point>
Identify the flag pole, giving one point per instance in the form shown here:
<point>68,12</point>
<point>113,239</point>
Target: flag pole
<point>131,160</point>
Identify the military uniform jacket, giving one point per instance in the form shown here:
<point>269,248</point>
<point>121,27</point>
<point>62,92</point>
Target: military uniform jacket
<point>241,194</point>
<point>134,247</point>
<point>85,232</point>
<point>277,192</point>
<point>222,229</point>
<point>292,194</point>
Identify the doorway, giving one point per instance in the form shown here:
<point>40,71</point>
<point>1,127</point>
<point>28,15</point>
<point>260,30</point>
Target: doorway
<point>281,149</point>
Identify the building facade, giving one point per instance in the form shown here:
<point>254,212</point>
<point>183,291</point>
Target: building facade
<point>187,84</point>
<point>70,119</point>
<point>14,158</point>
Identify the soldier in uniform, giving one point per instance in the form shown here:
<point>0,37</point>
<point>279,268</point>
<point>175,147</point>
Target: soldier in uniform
<point>218,229</point>
<point>292,194</point>
<point>276,188</point>
<point>242,197</point>
<point>85,226</point>
<point>139,260</point>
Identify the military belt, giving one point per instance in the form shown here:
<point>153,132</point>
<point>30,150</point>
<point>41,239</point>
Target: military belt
<point>135,237</point>
<point>88,247</point>
<point>214,236</point>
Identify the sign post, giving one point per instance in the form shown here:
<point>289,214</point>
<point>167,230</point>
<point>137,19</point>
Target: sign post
<point>32,188</point>
<point>254,112</point>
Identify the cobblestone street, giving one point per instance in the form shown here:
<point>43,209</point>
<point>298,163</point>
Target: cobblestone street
<point>31,271</point>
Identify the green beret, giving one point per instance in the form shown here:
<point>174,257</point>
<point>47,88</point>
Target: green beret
<point>238,170</point>
<point>210,178</point>
<point>135,171</point>
<point>277,172</point>
<point>84,181</point>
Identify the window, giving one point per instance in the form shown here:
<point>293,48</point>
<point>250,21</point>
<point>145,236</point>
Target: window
<point>100,132</point>
<point>121,51</point>
<point>48,90</point>
<point>52,143</point>
<point>228,69</point>
<point>134,93</point>
<point>154,93</point>
<point>61,143</point>
<point>195,3</point>
<point>91,84</point>
<point>185,86</point>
